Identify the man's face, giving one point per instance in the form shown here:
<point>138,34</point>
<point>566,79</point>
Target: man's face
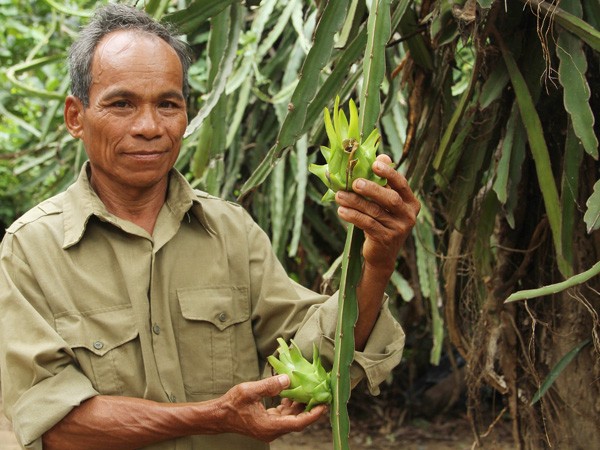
<point>134,124</point>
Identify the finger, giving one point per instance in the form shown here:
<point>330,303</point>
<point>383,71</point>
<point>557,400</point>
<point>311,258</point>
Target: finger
<point>268,387</point>
<point>379,203</point>
<point>385,159</point>
<point>359,210</point>
<point>307,417</point>
<point>287,401</point>
<point>288,408</point>
<point>321,409</point>
<point>396,180</point>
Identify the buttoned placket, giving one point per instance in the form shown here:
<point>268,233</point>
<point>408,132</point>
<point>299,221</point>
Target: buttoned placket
<point>163,340</point>
<point>165,352</point>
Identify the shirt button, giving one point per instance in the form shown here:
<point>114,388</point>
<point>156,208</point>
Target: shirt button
<point>98,345</point>
<point>172,398</point>
<point>222,317</point>
<point>156,329</point>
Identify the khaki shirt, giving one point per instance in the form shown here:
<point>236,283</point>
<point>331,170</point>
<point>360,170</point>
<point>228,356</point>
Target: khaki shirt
<point>93,304</point>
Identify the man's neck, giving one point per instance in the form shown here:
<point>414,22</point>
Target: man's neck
<point>140,206</point>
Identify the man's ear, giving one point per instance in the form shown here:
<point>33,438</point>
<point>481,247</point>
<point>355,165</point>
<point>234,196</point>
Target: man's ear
<point>74,116</point>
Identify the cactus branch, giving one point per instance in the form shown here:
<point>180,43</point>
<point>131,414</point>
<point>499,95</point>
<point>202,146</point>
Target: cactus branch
<point>344,337</point>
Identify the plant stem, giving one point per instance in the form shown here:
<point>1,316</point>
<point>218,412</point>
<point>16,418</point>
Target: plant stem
<point>344,337</point>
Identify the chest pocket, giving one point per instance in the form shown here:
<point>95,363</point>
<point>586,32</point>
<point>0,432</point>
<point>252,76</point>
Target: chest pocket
<point>215,339</point>
<point>107,348</point>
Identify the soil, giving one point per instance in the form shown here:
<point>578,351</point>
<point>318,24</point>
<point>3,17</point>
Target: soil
<point>432,422</point>
<point>447,433</point>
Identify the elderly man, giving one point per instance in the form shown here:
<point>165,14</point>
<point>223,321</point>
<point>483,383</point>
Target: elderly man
<point>138,312</point>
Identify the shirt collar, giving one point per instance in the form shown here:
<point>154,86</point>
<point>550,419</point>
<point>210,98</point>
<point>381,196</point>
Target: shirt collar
<point>182,198</point>
<point>82,202</point>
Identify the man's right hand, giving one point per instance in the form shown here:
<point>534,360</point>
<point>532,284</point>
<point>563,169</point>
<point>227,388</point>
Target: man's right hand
<point>246,414</point>
<point>124,423</point>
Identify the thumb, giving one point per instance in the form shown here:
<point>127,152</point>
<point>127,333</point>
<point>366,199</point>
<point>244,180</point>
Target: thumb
<point>270,387</point>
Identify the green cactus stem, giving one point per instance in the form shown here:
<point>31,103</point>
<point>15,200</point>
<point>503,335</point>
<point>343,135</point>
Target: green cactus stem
<point>344,337</point>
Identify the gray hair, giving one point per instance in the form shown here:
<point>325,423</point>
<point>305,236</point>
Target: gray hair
<point>115,17</point>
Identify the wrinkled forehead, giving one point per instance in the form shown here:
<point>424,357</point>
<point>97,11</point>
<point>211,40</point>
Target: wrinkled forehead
<point>125,47</point>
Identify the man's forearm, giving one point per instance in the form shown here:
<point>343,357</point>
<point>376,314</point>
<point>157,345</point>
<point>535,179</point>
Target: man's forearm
<point>370,292</point>
<point>123,423</point>
<point>128,423</point>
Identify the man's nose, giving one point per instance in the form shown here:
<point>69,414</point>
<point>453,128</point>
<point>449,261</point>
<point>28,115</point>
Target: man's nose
<point>147,123</point>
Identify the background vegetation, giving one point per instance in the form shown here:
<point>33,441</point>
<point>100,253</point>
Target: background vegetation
<point>489,109</point>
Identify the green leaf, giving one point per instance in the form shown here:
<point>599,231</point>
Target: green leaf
<point>402,286</point>
<point>483,250</point>
<point>318,56</point>
<point>576,91</point>
<point>353,19</point>
<point>541,156</point>
<point>276,206</point>
<point>301,181</point>
<point>31,65</point>
<point>509,168</point>
<point>592,13</point>
<point>448,157</point>
<point>494,86</point>
<point>428,279</point>
<point>592,214</point>
<point>68,11</point>
<point>451,130</point>
<point>573,156</point>
<point>378,34</point>
<point>444,27</point>
<point>187,20</point>
<point>550,289</point>
<point>156,8</point>
<point>419,50</point>
<point>245,64</point>
<point>557,370</point>
<point>572,23</point>
<point>475,160</point>
<point>331,86</point>
<point>224,35</point>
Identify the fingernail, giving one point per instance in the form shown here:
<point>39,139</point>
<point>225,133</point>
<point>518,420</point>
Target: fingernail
<point>379,165</point>
<point>359,184</point>
<point>283,380</point>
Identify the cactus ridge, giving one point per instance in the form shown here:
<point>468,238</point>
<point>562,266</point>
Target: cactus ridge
<point>310,383</point>
<point>347,157</point>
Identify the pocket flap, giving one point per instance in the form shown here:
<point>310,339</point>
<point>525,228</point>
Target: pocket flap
<point>221,306</point>
<point>99,331</point>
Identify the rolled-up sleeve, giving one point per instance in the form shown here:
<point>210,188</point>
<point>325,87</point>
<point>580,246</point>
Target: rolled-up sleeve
<point>40,380</point>
<point>382,352</point>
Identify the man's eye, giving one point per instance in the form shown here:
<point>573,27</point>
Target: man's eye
<point>168,105</point>
<point>120,104</point>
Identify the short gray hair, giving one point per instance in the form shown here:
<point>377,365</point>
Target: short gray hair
<point>115,17</point>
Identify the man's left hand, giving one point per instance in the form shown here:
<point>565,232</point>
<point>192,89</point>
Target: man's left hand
<point>386,214</point>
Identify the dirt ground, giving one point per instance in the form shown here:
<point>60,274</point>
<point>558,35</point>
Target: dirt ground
<point>450,433</point>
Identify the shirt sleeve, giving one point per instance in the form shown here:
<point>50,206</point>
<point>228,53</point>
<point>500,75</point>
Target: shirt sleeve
<point>40,379</point>
<point>382,352</point>
<point>283,308</point>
